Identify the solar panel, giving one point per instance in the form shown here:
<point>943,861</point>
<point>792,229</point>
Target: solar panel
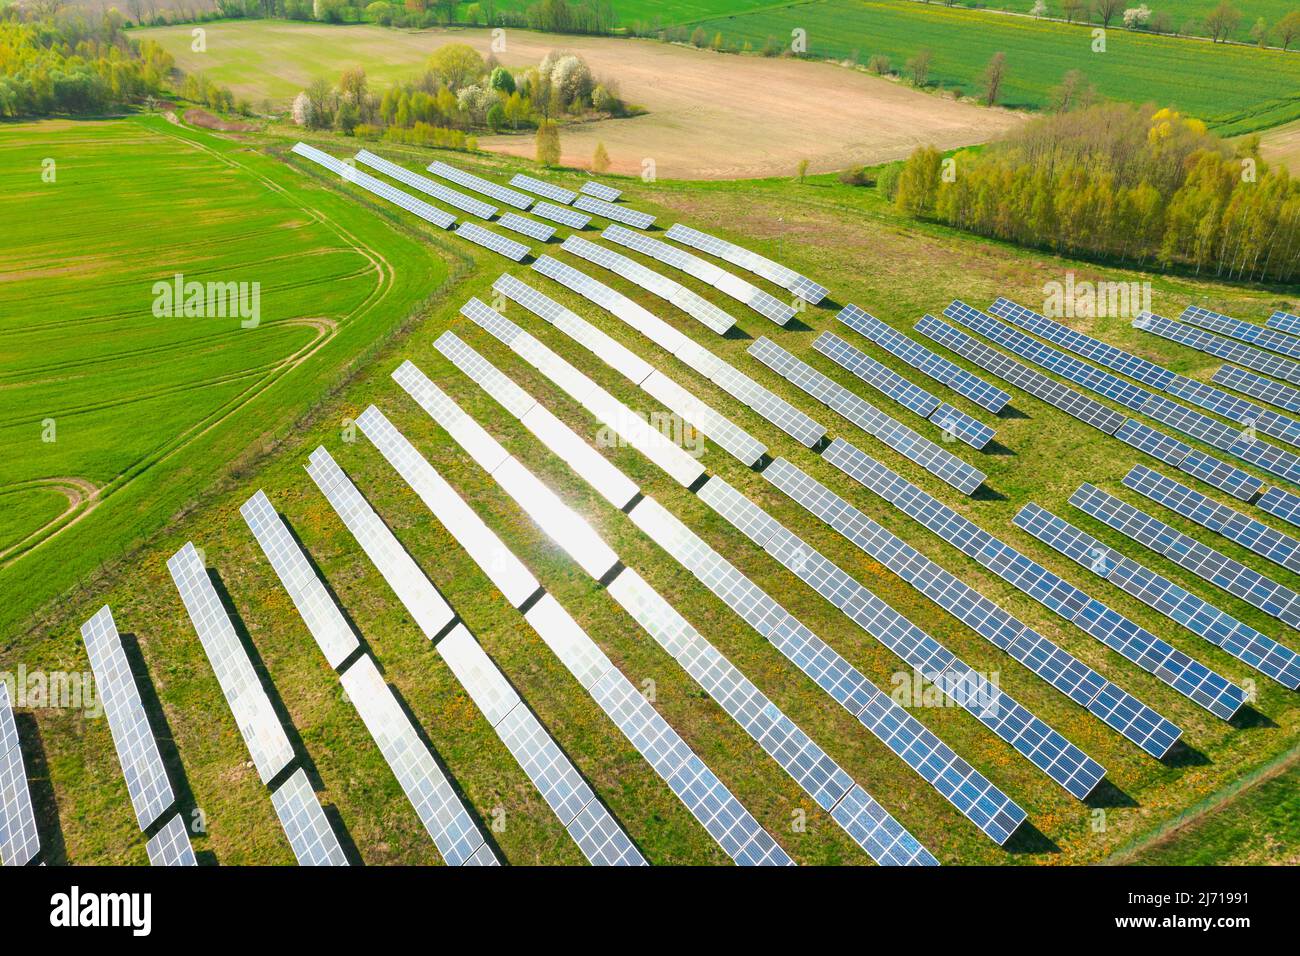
<point>425,605</point>
<point>763,303</point>
<point>1257,386</point>
<point>923,360</point>
<point>912,397</point>
<point>310,835</point>
<point>630,217</point>
<point>542,188</point>
<point>600,190</point>
<point>560,214</point>
<point>1247,355</point>
<point>786,278</point>
<point>479,185</point>
<point>1280,504</point>
<point>1200,617</point>
<point>698,308</point>
<point>19,841</point>
<point>1210,470</point>
<point>378,187</point>
<point>766,403</point>
<point>1281,549</point>
<point>527,227</point>
<point>447,819</point>
<point>475,207</point>
<point>469,434</point>
<point>765,723</point>
<point>137,750</point>
<point>488,239</point>
<point>1206,563</point>
<point>1268,338</point>
<point>533,748</point>
<point>617,304</point>
<point>257,721</point>
<point>1284,322</point>
<point>939,462</point>
<point>725,433</point>
<point>170,846</point>
<point>1152,441</point>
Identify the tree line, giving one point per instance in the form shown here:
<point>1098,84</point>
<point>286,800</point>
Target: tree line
<point>1118,182</point>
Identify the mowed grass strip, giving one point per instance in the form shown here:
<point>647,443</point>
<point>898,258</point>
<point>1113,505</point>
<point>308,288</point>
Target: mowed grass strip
<point>844,237</point>
<point>1236,89</point>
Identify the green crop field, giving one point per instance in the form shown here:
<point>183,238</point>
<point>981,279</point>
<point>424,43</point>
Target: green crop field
<point>116,417</point>
<point>843,236</point>
<point>1234,89</point>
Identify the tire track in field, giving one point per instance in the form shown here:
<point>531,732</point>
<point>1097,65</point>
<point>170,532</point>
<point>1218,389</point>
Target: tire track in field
<point>83,498</point>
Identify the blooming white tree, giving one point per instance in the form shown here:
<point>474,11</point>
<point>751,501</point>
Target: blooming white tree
<point>301,108</point>
<point>476,101</point>
<point>1038,9</point>
<point>1135,17</point>
<point>572,77</point>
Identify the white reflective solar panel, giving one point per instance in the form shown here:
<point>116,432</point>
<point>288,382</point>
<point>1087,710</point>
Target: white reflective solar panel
<point>479,185</point>
<point>481,678</point>
<point>488,377</point>
<point>267,742</point>
<point>565,527</point>
<point>490,240</point>
<point>469,434</point>
<point>323,618</point>
<point>378,187</point>
<point>403,575</point>
<point>137,750</point>
<point>171,845</point>
<point>729,436</point>
<point>506,571</point>
<point>526,227</point>
<point>561,214</point>
<point>644,321</point>
<point>543,188</point>
<point>787,278</point>
<point>19,841</point>
<point>600,190</point>
<point>311,837</point>
<point>475,207</point>
<point>614,212</point>
<point>445,817</point>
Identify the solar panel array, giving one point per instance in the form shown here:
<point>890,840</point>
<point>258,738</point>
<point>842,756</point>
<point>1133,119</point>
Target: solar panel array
<point>916,399</point>
<point>1187,676</point>
<point>19,841</point>
<point>764,303</point>
<point>447,820</point>
<point>1200,617</point>
<point>1280,504</point>
<point>1284,322</point>
<point>1247,355</point>
<point>974,797</point>
<point>1281,549</point>
<point>697,307</point>
<point>614,212</point>
<point>1072,677</point>
<point>170,846</point>
<point>1269,338</point>
<point>631,427</point>
<point>380,188</point>
<point>1257,386</point>
<point>526,227</point>
<point>774,272</point>
<point>600,190</point>
<point>488,239</point>
<point>938,461</point>
<point>324,620</point>
<point>1073,403</point>
<point>475,207</point>
<point>257,721</point>
<point>479,185</point>
<point>311,837</point>
<point>923,360</point>
<point>543,188</point>
<point>560,214</point>
<point>617,304</point>
<point>725,433</point>
<point>1203,561</point>
<point>137,750</point>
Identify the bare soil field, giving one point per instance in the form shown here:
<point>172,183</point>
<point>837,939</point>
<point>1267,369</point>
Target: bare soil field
<point>709,116</point>
<point>1281,145</point>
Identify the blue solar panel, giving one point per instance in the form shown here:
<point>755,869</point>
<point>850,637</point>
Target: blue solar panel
<point>1152,441</point>
<point>1221,475</point>
<point>1280,504</point>
<point>1268,338</point>
<point>1247,355</point>
<point>1284,322</point>
<point>1257,386</point>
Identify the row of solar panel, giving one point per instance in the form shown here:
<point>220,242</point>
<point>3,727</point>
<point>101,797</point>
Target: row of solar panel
<point>378,187</point>
<point>1202,341</point>
<point>1189,677</point>
<point>1284,321</point>
<point>1198,616</point>
<point>1269,338</point>
<point>19,839</point>
<point>786,278</point>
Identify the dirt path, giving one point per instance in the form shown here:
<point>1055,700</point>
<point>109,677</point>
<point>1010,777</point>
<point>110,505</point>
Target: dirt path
<point>83,498</point>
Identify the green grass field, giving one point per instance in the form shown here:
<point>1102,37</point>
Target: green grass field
<point>151,410</point>
<point>1234,89</point>
<point>843,236</point>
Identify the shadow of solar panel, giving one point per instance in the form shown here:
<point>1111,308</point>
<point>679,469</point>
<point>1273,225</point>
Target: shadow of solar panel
<point>446,819</point>
<point>600,190</point>
<point>378,187</point>
<point>526,227</point>
<point>257,721</point>
<point>786,278</point>
<point>488,239</point>
<point>170,846</point>
<point>475,207</point>
<point>542,188</point>
<point>1200,617</point>
<point>479,185</point>
<point>19,840</point>
<point>310,835</point>
<point>630,217</point>
<point>137,750</point>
